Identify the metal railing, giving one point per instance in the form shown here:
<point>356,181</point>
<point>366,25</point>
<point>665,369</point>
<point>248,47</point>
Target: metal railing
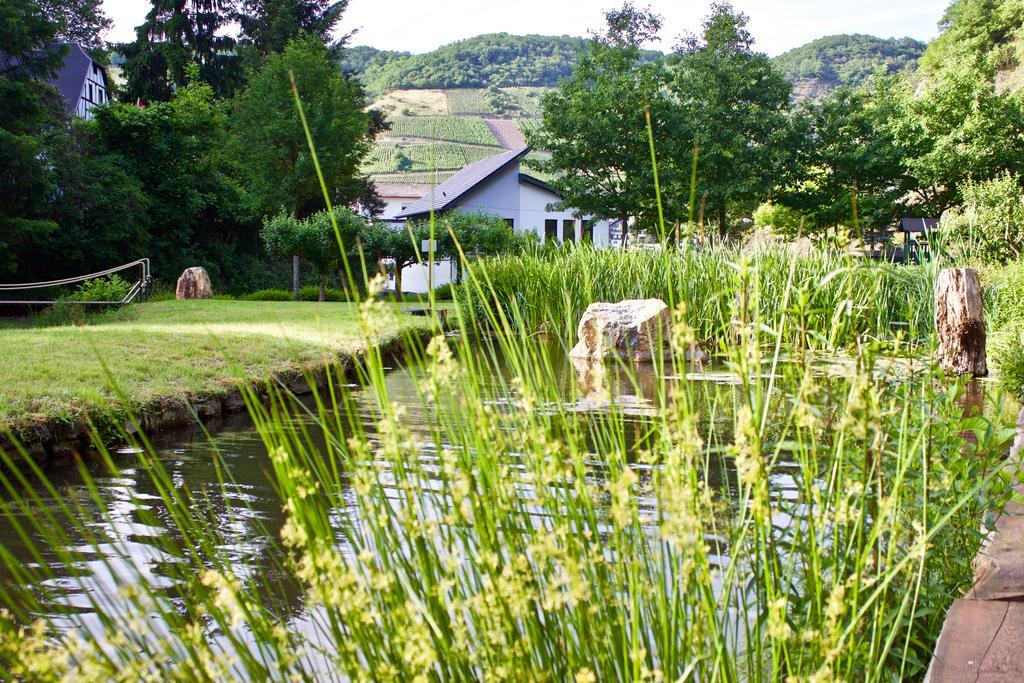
<point>138,289</point>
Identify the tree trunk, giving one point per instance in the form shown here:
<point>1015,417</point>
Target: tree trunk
<point>960,322</point>
<point>295,278</point>
<point>625,229</point>
<point>723,229</point>
<point>398,280</point>
<point>323,287</point>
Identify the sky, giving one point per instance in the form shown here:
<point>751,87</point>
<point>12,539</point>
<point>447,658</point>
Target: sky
<point>422,25</point>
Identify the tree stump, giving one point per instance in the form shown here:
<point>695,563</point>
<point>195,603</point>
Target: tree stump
<point>194,283</point>
<point>960,322</point>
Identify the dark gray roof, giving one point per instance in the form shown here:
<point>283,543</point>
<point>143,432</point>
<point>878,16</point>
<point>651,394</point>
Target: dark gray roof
<point>918,224</point>
<point>71,77</point>
<point>447,194</point>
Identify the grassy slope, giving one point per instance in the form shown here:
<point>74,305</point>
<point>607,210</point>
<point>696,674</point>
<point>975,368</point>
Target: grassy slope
<point>169,349</point>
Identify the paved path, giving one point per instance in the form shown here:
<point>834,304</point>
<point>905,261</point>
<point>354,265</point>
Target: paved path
<point>982,638</point>
<point>507,133</point>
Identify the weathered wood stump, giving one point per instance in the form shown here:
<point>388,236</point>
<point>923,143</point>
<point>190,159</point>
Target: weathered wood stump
<point>194,283</point>
<point>960,322</point>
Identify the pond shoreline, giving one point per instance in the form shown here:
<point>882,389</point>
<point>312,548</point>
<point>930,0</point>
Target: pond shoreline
<point>55,440</point>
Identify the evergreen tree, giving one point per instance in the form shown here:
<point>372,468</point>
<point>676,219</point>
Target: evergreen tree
<point>269,25</point>
<point>175,34</point>
<point>30,108</point>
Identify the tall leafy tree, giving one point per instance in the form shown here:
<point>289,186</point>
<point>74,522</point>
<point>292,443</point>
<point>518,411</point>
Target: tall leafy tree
<point>174,35</point>
<point>738,104</point>
<point>78,21</point>
<point>30,107</point>
<point>269,25</point>
<point>594,123</point>
<point>855,158</point>
<point>270,143</point>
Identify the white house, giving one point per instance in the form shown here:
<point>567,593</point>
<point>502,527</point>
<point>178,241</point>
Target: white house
<point>498,186</point>
<point>81,81</point>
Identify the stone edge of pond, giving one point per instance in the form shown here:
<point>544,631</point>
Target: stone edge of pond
<point>982,637</point>
<point>56,439</point>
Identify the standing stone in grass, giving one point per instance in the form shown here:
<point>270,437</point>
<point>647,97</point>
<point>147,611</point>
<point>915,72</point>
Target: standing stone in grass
<point>637,329</point>
<point>194,283</point>
<point>960,322</point>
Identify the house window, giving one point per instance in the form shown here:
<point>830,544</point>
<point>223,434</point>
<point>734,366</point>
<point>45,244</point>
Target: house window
<point>588,231</point>
<point>90,92</point>
<point>550,229</point>
<point>510,223</point>
<point>568,231</point>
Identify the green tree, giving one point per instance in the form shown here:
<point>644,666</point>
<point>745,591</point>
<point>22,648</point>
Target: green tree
<point>269,25</point>
<point>854,157</point>
<point>314,239</point>
<point>198,211</point>
<point>270,143</point>
<point>78,21</point>
<point>958,128</point>
<point>399,243</point>
<point>30,108</point>
<point>174,35</point>
<point>738,105</point>
<point>595,128</point>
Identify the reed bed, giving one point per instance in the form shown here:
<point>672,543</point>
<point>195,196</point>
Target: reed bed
<point>838,297</point>
<point>797,526</point>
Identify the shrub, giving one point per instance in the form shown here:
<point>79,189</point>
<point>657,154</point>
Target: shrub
<point>781,219</point>
<point>268,295</point>
<point>1009,357</point>
<point>313,294</point>
<point>110,288</point>
<point>990,226</point>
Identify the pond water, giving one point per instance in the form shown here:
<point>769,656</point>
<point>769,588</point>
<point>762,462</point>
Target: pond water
<point>129,535</point>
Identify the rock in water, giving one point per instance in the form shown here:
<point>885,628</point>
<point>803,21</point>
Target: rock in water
<point>194,283</point>
<point>960,322</point>
<point>637,329</point>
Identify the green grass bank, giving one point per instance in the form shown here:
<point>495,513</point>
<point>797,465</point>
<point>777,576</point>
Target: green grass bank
<point>172,350</point>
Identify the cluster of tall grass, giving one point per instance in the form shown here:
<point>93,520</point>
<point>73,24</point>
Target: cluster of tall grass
<point>795,526</point>
<point>837,297</point>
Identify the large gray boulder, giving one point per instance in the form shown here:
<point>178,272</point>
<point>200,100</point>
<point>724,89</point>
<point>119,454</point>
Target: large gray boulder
<point>194,283</point>
<point>637,329</point>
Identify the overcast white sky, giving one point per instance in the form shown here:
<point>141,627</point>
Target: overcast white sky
<point>422,25</point>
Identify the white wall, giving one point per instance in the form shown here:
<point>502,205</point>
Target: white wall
<point>499,195</point>
<point>533,211</point>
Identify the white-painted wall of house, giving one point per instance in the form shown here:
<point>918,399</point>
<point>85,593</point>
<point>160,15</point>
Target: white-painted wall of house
<point>533,210</point>
<point>415,278</point>
<point>94,91</point>
<point>498,195</point>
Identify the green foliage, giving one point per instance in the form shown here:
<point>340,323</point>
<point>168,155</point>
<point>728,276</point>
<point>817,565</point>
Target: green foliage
<point>269,142</point>
<point>497,58</point>
<point>267,26</point>
<point>192,206</point>
<point>110,288</point>
<point>30,107</point>
<point>989,228</point>
<point>594,125</point>
<point>819,67</point>
<point>980,35</point>
<point>313,294</point>
<point>314,239</point>
<point>734,106</point>
<point>468,130</point>
<point>78,21</point>
<point>1009,358</point>
<point>268,295</point>
<point>780,219</point>
<point>842,297</point>
<point>178,44</point>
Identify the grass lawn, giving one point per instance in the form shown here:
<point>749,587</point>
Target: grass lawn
<point>169,349</point>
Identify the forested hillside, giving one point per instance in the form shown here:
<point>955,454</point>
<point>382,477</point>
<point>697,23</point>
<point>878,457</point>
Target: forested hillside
<point>819,67</point>
<point>980,35</point>
<point>491,59</point>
